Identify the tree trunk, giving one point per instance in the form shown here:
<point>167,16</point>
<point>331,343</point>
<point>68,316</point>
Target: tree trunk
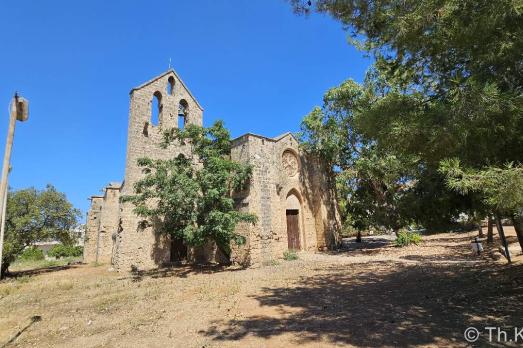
<point>225,250</point>
<point>480,230</point>
<point>4,270</point>
<point>331,179</point>
<point>501,233</point>
<point>358,237</point>
<point>517,220</point>
<point>490,230</point>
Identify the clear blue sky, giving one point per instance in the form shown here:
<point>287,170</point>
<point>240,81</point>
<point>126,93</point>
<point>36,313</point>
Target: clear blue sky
<point>254,64</point>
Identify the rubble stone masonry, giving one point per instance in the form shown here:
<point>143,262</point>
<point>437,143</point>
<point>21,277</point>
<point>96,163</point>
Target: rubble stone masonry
<point>283,178</point>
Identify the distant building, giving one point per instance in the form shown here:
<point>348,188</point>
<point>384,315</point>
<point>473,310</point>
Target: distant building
<point>45,246</point>
<point>78,234</point>
<point>288,191</point>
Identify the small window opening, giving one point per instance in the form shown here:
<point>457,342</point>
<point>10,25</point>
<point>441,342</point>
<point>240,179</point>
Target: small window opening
<point>156,108</point>
<point>183,109</point>
<point>170,85</point>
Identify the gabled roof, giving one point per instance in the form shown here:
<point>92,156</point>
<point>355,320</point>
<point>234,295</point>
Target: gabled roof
<point>170,71</point>
<point>281,136</point>
<point>275,139</point>
<point>252,135</point>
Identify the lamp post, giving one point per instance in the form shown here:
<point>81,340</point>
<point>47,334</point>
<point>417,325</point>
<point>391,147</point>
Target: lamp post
<point>19,110</point>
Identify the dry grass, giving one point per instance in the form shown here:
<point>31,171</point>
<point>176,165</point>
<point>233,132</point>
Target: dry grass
<point>381,296</point>
<point>24,265</point>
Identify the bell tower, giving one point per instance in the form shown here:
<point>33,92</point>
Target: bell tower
<point>160,104</point>
<point>157,105</point>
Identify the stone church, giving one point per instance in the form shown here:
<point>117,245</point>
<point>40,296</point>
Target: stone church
<point>288,191</point>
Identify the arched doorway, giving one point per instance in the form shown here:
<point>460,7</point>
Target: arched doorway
<point>178,250</point>
<point>292,214</point>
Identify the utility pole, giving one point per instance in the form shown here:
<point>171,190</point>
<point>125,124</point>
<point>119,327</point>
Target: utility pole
<point>19,110</point>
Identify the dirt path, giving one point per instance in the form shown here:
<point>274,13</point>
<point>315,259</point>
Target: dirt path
<point>373,295</point>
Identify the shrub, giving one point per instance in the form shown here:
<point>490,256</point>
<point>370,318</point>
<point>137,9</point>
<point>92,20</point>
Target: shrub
<point>406,238</point>
<point>61,250</point>
<point>290,255</point>
<point>35,215</point>
<point>32,254</point>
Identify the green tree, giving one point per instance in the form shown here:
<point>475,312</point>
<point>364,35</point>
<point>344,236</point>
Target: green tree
<point>377,185</point>
<point>500,188</point>
<point>36,215</point>
<point>191,198</point>
<point>370,186</point>
<point>435,44</point>
<point>453,71</point>
<point>450,73</point>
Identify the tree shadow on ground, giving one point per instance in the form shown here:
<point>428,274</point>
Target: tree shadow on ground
<point>368,246</point>
<point>388,305</point>
<point>182,271</point>
<point>38,271</point>
<point>367,243</point>
<point>454,254</point>
<point>452,239</point>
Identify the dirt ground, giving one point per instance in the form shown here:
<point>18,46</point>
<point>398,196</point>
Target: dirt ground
<point>370,295</point>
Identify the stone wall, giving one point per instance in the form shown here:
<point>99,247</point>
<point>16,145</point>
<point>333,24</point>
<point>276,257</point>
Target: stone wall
<point>102,225</point>
<point>241,254</point>
<point>271,184</point>
<point>138,246</point>
<point>108,223</point>
<point>92,227</point>
<point>281,174</point>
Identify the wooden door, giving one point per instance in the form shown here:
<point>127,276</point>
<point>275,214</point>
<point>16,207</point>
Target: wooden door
<point>293,229</point>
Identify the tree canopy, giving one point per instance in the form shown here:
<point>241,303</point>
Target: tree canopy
<point>452,71</point>
<point>446,84</point>
<point>36,215</point>
<point>377,186</point>
<point>191,197</point>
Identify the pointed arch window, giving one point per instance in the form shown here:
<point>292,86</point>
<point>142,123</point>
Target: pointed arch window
<point>156,109</point>
<point>170,86</point>
<point>183,111</point>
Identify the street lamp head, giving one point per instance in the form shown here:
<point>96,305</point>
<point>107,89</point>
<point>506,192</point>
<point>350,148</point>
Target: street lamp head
<point>20,106</point>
